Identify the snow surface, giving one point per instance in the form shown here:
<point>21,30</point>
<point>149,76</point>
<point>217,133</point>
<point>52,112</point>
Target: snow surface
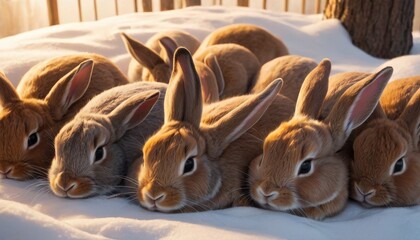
<point>29,211</point>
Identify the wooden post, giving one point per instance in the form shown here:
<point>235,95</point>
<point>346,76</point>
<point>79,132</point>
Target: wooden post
<point>188,3</point>
<point>243,3</point>
<point>382,28</point>
<point>147,6</point>
<point>53,12</point>
<point>166,5</point>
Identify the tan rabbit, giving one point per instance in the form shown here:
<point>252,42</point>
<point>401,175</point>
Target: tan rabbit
<point>152,61</point>
<point>291,68</point>
<point>238,65</point>
<point>258,40</point>
<point>48,96</point>
<point>198,159</point>
<point>94,150</point>
<point>386,169</point>
<point>301,169</point>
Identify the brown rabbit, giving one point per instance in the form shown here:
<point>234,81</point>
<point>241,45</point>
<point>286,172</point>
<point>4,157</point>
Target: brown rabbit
<point>238,66</point>
<point>258,40</point>
<point>301,170</point>
<point>386,169</point>
<point>48,96</point>
<point>153,60</point>
<point>198,159</point>
<point>291,68</point>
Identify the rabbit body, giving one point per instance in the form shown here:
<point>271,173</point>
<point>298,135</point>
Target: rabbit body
<point>238,67</point>
<point>259,41</point>
<point>292,69</point>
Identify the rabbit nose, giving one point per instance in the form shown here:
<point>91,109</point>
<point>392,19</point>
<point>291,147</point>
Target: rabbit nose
<point>155,198</point>
<point>65,183</point>
<point>6,171</point>
<point>267,195</point>
<point>364,194</point>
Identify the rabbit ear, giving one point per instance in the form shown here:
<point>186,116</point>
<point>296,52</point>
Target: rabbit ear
<point>69,89</point>
<point>356,104</point>
<point>239,120</point>
<point>8,93</point>
<point>411,115</point>
<point>170,46</point>
<point>143,55</point>
<point>208,82</point>
<point>211,62</point>
<point>132,111</point>
<point>183,98</point>
<point>313,90</point>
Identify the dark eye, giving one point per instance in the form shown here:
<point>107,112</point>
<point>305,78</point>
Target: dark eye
<point>189,165</point>
<point>99,153</point>
<point>305,167</point>
<point>399,166</point>
<point>32,140</point>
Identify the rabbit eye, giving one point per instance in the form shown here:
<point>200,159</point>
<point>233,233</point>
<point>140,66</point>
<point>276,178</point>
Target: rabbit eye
<point>100,154</point>
<point>399,166</point>
<point>305,167</point>
<point>189,166</point>
<point>33,140</point>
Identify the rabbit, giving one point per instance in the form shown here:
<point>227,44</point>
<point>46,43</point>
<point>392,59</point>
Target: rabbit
<point>291,68</point>
<point>152,61</point>
<point>198,159</point>
<point>302,170</point>
<point>208,69</point>
<point>48,96</point>
<point>237,64</point>
<point>385,170</point>
<point>258,40</point>
<point>94,150</point>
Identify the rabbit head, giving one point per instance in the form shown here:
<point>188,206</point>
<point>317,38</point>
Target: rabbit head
<point>153,61</point>
<point>300,170</point>
<point>385,170</point>
<point>180,169</point>
<point>88,157</point>
<point>28,125</point>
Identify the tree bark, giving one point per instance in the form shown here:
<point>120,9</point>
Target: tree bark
<point>382,28</point>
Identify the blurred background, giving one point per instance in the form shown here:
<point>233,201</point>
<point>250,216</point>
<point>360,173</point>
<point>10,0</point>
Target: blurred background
<point>22,15</point>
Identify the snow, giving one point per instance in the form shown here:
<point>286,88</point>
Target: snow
<point>28,210</point>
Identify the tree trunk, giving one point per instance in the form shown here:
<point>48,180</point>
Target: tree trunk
<point>382,28</point>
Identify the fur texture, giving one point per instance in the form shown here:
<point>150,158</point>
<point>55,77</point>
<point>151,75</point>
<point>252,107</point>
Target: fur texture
<point>48,96</point>
<point>153,60</point>
<point>238,66</point>
<point>301,170</point>
<point>292,69</point>
<point>198,159</point>
<point>385,170</point>
<point>113,123</point>
<point>259,41</point>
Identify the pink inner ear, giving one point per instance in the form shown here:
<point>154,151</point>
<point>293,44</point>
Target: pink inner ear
<point>368,98</point>
<point>142,111</point>
<point>80,81</point>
